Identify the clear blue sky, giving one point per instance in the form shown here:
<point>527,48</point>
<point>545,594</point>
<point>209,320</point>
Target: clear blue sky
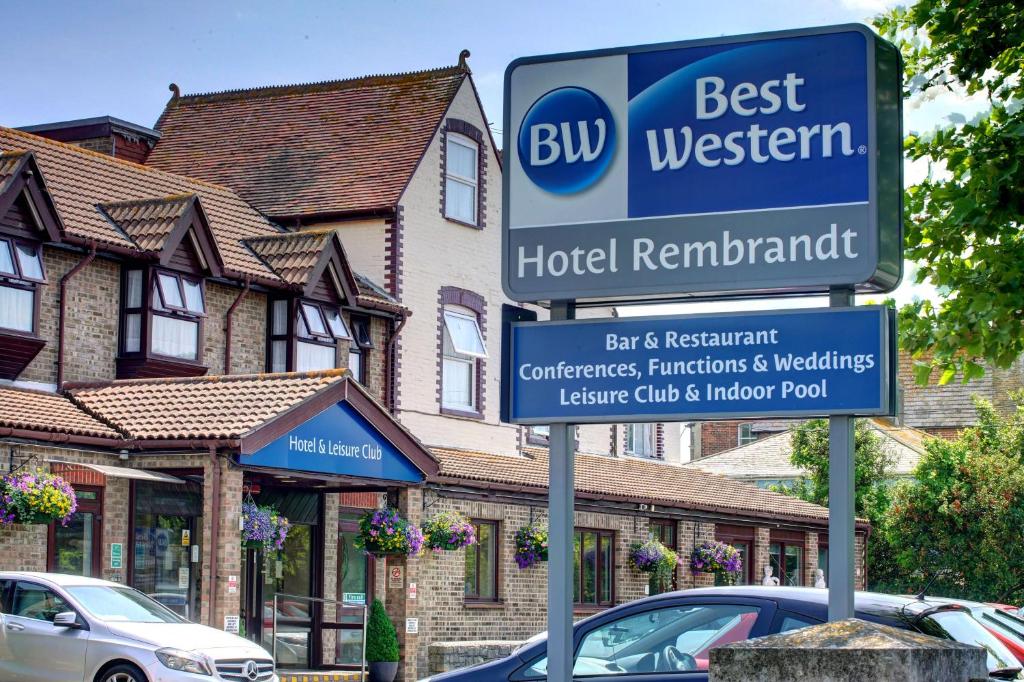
<point>82,59</point>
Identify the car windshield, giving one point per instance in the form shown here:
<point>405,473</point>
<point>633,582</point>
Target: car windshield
<point>122,605</point>
<point>961,627</point>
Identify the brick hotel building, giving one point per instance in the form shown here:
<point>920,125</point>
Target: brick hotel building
<point>177,304</point>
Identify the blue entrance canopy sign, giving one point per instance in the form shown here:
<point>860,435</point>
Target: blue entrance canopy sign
<point>337,441</point>
<point>783,363</point>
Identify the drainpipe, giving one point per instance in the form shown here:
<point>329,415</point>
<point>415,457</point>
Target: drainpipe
<point>227,325</point>
<point>214,542</point>
<point>390,385</point>
<point>63,306</point>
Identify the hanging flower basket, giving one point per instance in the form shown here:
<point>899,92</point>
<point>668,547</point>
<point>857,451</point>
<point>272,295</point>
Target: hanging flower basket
<point>383,532</point>
<point>531,545</point>
<point>654,558</point>
<point>447,532</point>
<point>263,527</point>
<point>717,558</point>
<point>36,498</point>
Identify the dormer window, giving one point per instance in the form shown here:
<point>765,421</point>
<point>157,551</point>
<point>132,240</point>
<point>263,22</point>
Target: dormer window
<point>317,329</point>
<point>162,315</point>
<point>21,271</point>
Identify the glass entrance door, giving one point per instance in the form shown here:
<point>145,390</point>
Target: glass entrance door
<point>355,573</point>
<point>76,548</point>
<point>166,563</point>
<point>289,574</point>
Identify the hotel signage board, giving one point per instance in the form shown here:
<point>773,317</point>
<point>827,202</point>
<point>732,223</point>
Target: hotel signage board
<point>748,165</point>
<point>336,441</point>
<point>811,362</point>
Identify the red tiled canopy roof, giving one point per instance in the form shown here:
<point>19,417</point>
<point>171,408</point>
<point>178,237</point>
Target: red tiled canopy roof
<point>213,407</point>
<point>38,411</point>
<point>332,147</point>
<point>629,478</point>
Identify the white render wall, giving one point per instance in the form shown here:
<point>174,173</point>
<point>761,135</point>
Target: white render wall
<point>435,253</point>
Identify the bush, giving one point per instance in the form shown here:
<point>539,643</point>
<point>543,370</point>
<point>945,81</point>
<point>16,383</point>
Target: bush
<point>381,637</point>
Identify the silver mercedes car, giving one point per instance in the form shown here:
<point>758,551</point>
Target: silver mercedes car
<point>62,628</point>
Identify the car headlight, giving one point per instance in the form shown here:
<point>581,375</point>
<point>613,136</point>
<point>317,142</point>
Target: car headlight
<point>183,661</point>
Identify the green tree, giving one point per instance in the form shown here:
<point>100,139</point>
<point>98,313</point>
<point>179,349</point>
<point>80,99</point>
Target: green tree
<point>963,223</point>
<point>960,519</point>
<point>873,466</point>
<point>381,637</point>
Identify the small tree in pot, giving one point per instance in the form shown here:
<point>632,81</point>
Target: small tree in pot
<point>381,645</point>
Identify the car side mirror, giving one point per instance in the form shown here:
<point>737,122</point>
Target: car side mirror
<point>67,619</point>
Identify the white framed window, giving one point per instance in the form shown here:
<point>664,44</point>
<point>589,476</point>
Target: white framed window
<point>462,347</point>
<point>21,268</point>
<point>640,440</point>
<point>461,182</point>
<point>745,434</point>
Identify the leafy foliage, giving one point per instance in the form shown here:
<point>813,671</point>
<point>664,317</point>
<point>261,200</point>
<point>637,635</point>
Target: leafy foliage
<point>873,464</point>
<point>381,637</point>
<point>960,520</point>
<point>963,223</point>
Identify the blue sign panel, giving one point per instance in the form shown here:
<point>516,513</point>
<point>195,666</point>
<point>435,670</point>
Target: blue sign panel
<point>791,363</point>
<point>667,169</point>
<point>337,441</point>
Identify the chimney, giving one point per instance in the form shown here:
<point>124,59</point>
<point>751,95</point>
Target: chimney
<point>104,134</point>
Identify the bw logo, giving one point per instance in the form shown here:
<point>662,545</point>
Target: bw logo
<point>567,140</point>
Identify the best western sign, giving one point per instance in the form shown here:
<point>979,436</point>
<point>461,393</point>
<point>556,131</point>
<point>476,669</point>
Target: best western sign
<point>758,164</point>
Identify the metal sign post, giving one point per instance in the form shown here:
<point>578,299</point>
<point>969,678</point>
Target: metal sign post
<point>561,495</point>
<point>841,518</point>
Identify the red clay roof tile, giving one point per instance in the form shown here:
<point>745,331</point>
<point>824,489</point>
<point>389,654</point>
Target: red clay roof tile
<point>631,479</point>
<point>38,411</point>
<point>149,222</point>
<point>338,146</point>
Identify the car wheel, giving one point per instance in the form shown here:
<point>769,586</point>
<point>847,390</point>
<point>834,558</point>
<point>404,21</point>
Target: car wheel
<point>123,672</point>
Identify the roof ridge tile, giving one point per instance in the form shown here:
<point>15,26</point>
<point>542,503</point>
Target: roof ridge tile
<point>74,387</point>
<point>289,89</point>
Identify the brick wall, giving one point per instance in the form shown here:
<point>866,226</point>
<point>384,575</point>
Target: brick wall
<point>248,332</point>
<point>719,436</point>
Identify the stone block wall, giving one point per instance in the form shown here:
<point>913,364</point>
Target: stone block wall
<point>445,656</point>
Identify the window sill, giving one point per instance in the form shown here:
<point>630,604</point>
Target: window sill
<point>17,350</point>
<point>464,223</point>
<point>483,604</point>
<point>464,414</point>
<point>141,367</point>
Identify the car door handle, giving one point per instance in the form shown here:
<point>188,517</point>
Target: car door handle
<point>15,626</point>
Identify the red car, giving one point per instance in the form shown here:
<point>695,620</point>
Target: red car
<point>999,619</point>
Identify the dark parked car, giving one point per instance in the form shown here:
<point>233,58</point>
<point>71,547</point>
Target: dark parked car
<point>668,638</point>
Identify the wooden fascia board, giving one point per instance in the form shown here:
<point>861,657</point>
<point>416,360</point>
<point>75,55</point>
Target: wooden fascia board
<point>193,217</point>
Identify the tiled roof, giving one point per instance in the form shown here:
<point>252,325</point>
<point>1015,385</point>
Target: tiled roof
<point>38,411</point>
<point>372,294</point>
<point>768,458</point>
<point>149,221</point>
<point>9,162</point>
<point>202,407</point>
<point>337,146</point>
<point>631,479</point>
<point>293,255</point>
<point>79,180</point>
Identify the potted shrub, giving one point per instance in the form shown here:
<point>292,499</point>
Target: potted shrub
<point>531,545</point>
<point>654,558</point>
<point>384,531</point>
<point>37,497</point>
<point>447,532</point>
<point>717,558</point>
<point>263,527</point>
<point>381,645</point>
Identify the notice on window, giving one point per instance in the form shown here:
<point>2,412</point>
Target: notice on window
<point>183,578</point>
<point>232,624</point>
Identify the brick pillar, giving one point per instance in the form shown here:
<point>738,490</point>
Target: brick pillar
<point>330,611</point>
<point>810,558</point>
<point>115,528</point>
<point>217,601</point>
<point>410,506</point>
<point>762,538</point>
<point>692,534</point>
